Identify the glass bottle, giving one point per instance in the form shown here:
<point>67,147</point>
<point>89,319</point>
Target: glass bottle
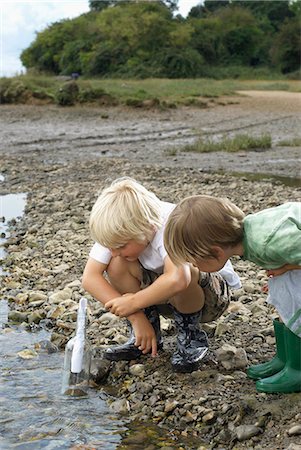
<point>77,357</point>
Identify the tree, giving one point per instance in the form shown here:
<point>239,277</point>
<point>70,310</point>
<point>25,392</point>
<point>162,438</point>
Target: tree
<point>209,7</point>
<point>286,52</point>
<point>207,39</point>
<point>274,10</point>
<point>144,39</point>
<point>99,5</point>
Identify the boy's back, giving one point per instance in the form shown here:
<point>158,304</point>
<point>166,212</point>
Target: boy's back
<point>272,237</point>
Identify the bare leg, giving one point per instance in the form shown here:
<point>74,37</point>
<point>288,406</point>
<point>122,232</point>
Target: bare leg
<point>192,299</point>
<point>124,275</point>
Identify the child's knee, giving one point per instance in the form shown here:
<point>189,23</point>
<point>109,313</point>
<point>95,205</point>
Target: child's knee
<point>190,300</point>
<point>124,274</point>
<point>117,268</point>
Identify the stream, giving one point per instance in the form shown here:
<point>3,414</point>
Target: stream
<point>33,412</point>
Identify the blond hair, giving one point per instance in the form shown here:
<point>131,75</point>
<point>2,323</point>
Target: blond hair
<point>197,224</point>
<point>124,211</point>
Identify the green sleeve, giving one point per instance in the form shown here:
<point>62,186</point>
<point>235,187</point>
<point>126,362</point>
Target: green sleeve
<point>284,245</point>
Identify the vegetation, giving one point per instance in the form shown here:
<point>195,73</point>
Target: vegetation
<point>147,39</point>
<point>294,142</point>
<point>233,144</point>
<point>160,93</point>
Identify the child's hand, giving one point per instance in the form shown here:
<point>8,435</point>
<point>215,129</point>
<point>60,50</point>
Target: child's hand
<point>265,288</point>
<point>122,306</point>
<point>145,334</point>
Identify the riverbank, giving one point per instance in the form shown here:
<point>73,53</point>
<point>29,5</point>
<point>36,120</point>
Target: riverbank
<point>62,158</point>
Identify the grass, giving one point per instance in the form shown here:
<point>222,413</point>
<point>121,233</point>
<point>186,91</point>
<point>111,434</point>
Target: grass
<point>163,92</point>
<point>235,144</point>
<point>295,142</point>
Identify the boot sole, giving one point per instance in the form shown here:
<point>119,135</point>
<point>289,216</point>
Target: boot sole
<point>188,368</point>
<point>127,356</point>
<point>123,357</point>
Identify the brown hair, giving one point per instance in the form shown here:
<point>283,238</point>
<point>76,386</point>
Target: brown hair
<point>200,222</point>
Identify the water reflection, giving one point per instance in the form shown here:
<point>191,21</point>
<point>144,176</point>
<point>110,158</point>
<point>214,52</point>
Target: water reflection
<point>3,313</point>
<point>11,207</point>
<point>278,179</point>
<point>34,414</point>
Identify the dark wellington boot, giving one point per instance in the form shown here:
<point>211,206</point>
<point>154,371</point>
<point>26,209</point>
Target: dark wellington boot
<point>129,351</point>
<point>192,342</point>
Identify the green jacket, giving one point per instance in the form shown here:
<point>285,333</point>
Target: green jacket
<point>272,237</point>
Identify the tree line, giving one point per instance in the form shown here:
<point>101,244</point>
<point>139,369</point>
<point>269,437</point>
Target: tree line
<point>144,39</point>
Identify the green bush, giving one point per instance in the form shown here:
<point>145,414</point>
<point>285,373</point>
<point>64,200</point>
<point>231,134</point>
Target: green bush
<point>89,94</point>
<point>180,63</point>
<point>12,90</point>
<point>67,94</point>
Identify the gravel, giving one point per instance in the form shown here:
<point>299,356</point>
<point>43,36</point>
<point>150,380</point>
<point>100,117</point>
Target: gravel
<point>62,158</point>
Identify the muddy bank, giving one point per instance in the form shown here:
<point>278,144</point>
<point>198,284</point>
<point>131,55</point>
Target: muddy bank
<point>156,136</point>
<point>59,157</point>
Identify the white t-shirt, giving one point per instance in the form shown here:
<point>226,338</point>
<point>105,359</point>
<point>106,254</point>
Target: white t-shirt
<point>152,258</point>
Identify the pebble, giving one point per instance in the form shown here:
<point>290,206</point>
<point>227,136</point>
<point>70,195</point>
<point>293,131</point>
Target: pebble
<point>295,430</point>
<point>245,432</point>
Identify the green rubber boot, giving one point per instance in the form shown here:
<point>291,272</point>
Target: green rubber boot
<point>289,378</point>
<point>277,363</point>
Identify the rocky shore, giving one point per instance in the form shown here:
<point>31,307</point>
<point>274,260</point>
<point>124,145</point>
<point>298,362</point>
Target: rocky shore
<point>214,407</point>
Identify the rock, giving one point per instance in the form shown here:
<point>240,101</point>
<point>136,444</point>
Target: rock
<point>135,439</point>
<point>47,346</point>
<point>232,357</point>
<point>245,432</point>
<point>27,354</point>
<point>250,288</point>
<point>17,316</point>
<point>295,430</point>
<point>221,329</point>
<point>137,370</point>
<point>61,268</point>
<point>121,406</point>
<point>55,312</point>
<point>22,298</point>
<point>35,296</point>
<point>170,405</point>
<point>100,369</point>
<point>35,317</point>
<point>209,417</point>
<point>108,318</point>
<point>60,296</point>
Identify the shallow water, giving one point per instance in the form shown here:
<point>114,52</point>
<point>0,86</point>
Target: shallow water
<point>287,181</point>
<point>33,412</point>
<point>11,207</point>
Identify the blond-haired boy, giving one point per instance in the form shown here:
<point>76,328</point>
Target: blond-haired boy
<point>206,231</point>
<point>128,270</point>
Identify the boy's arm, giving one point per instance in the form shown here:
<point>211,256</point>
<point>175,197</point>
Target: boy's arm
<point>283,269</point>
<point>94,282</point>
<point>171,282</point>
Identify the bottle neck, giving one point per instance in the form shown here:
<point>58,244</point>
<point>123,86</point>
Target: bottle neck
<point>81,326</point>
